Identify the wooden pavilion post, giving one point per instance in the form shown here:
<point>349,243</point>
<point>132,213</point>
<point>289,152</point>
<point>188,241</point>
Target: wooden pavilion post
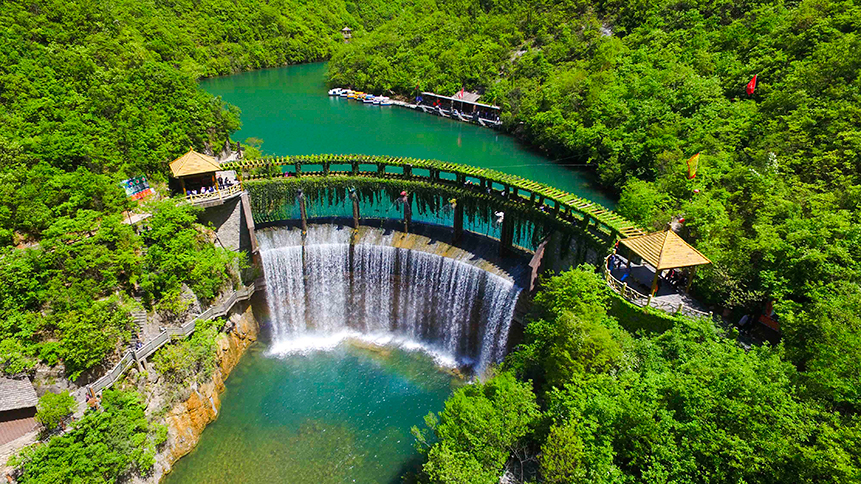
<point>655,281</point>
<point>215,184</point>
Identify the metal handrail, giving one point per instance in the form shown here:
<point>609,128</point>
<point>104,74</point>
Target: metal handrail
<point>167,335</point>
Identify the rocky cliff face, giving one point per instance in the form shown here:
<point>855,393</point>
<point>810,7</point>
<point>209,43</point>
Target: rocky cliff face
<point>186,420</point>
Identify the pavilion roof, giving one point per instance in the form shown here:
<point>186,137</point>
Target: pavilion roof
<point>15,394</point>
<point>665,250</point>
<point>193,163</point>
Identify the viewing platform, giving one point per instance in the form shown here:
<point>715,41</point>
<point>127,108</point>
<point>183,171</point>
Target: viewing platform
<point>217,197</point>
<point>203,181</point>
<point>658,281</point>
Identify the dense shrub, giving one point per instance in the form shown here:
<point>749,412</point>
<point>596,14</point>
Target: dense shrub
<point>100,447</point>
<point>192,359</point>
<point>54,409</point>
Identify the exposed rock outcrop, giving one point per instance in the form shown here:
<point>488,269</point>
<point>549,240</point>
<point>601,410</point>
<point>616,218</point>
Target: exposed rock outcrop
<point>187,420</point>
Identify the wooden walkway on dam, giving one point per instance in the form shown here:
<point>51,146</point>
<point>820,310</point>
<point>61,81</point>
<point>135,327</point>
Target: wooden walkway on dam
<point>561,204</point>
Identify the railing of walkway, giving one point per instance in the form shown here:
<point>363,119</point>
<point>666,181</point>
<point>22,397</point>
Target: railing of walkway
<point>642,300</point>
<point>220,194</point>
<point>622,288</point>
<point>554,200</point>
<point>167,335</point>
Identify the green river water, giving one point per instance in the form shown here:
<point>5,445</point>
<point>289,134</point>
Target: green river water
<point>342,415</point>
<point>332,416</point>
<point>289,109</point>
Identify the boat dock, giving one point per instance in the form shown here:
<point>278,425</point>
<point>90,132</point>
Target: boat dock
<point>461,107</point>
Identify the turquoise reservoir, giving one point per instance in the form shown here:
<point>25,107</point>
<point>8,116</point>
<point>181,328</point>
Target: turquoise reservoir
<point>289,109</point>
<point>339,415</point>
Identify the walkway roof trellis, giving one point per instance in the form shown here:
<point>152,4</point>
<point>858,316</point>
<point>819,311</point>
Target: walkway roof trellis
<point>567,201</point>
<point>665,250</point>
<point>464,101</point>
<point>193,163</point>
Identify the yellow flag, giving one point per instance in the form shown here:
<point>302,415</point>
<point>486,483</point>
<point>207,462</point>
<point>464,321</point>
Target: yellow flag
<point>692,166</point>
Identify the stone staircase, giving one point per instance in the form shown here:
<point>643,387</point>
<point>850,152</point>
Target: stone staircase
<point>139,318</point>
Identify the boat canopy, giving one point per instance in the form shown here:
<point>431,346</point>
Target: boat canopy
<point>464,101</point>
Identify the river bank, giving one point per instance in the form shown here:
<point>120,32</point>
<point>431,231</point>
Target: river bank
<point>187,419</point>
<point>181,409</point>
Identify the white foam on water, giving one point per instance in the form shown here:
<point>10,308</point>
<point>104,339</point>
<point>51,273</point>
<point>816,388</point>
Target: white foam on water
<point>306,344</point>
<point>322,291</point>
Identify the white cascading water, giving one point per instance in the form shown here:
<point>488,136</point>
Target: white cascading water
<point>327,289</point>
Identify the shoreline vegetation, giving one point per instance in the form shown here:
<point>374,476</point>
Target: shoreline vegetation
<point>583,399</point>
<point>94,93</point>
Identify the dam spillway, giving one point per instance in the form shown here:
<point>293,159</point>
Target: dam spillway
<point>334,283</point>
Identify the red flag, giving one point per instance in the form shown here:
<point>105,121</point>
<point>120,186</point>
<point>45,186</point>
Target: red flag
<point>460,94</point>
<point>751,86</point>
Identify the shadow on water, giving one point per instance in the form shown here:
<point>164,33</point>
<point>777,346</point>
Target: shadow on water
<point>408,471</point>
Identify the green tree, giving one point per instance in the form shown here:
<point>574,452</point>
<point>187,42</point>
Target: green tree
<point>570,333</point>
<point>100,447</point>
<point>54,408</point>
<point>481,426</point>
<point>641,202</point>
<point>824,340</point>
<point>562,455</point>
<point>180,252</point>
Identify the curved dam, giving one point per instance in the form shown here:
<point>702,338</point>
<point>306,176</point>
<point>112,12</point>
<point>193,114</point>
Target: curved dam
<point>379,275</point>
<point>387,287</point>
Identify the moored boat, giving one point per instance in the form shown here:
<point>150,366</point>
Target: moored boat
<point>335,92</point>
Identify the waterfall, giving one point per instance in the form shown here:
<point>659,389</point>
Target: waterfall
<point>335,284</point>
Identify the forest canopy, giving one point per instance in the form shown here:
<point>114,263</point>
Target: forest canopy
<point>95,92</point>
<point>584,400</point>
<point>636,89</point>
<point>92,93</point>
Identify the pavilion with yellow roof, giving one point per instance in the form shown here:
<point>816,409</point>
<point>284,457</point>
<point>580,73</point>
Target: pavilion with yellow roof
<point>665,250</point>
<point>195,171</point>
